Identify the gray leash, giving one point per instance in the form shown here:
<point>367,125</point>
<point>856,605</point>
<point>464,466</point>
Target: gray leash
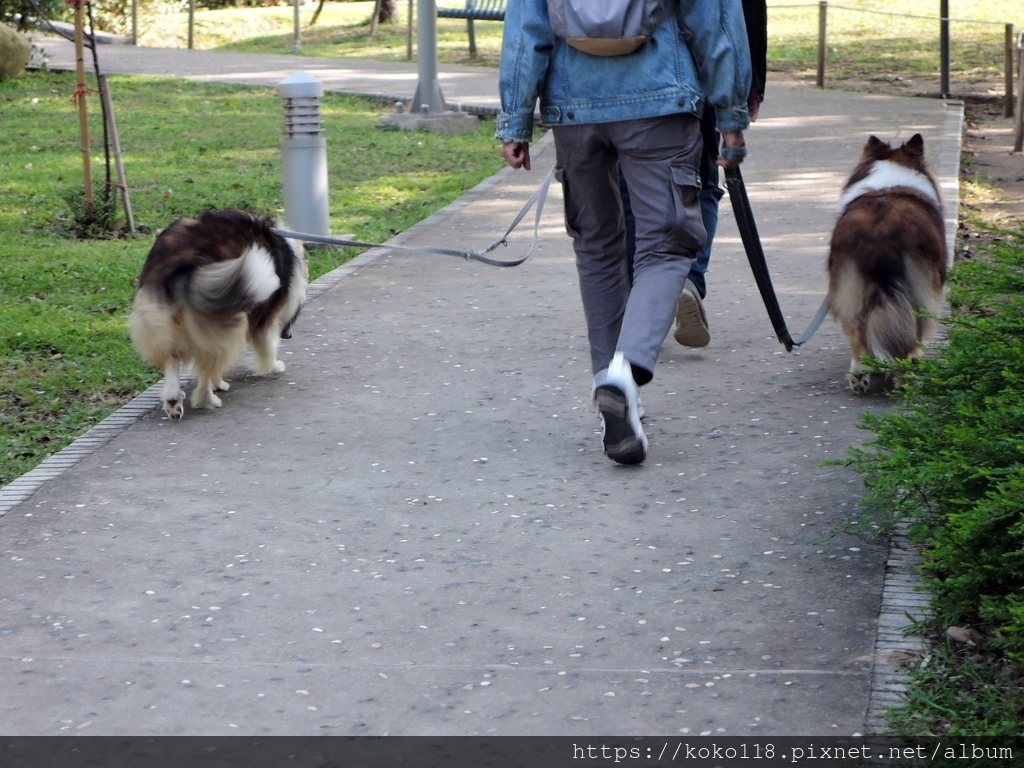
<point>537,199</point>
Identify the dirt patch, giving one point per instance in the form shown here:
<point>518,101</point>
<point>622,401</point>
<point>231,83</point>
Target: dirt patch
<point>991,176</point>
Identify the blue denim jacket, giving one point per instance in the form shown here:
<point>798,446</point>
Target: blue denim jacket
<point>698,56</point>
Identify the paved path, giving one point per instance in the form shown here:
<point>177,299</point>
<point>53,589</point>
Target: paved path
<point>472,88</point>
<point>414,531</point>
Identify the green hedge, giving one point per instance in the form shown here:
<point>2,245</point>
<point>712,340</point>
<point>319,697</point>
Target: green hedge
<point>950,461</point>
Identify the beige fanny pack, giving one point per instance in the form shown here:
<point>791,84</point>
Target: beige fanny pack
<point>607,46</point>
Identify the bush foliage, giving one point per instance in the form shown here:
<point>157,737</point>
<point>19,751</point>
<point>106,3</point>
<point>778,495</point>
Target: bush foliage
<point>23,15</point>
<point>950,462</point>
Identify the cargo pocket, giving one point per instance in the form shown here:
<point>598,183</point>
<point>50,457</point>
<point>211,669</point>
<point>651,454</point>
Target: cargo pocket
<point>570,209</point>
<point>689,225</point>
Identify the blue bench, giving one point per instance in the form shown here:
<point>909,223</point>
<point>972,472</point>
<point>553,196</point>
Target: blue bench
<point>474,10</point>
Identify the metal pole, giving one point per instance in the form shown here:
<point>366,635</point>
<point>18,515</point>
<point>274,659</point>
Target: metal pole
<point>822,18</point>
<point>135,22</point>
<point>296,36</point>
<point>428,98</point>
<point>944,48</point>
<point>191,22</point>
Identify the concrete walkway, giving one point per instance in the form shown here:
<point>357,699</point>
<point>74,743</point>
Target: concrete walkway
<point>413,531</point>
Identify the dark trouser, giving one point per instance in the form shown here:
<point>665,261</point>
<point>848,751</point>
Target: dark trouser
<point>658,158</point>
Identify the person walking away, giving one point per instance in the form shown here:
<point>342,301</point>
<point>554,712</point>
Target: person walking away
<point>638,111</point>
<point>692,327</point>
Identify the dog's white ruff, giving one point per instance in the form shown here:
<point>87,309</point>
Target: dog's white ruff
<point>885,174</point>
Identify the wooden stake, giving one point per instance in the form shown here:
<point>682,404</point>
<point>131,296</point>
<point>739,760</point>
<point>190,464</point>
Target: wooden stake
<point>83,114</point>
<point>122,180</point>
<point>376,16</point>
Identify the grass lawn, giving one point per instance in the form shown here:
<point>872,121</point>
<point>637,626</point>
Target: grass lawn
<point>66,358</point>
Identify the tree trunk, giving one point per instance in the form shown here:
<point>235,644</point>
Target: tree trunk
<point>316,13</point>
<point>388,11</point>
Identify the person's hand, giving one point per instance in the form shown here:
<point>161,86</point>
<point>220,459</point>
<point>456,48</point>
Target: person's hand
<point>734,149</point>
<point>753,107</point>
<point>516,154</point>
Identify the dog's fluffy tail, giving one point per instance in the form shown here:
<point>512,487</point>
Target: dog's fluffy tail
<point>902,315</point>
<point>237,285</point>
<point>891,328</point>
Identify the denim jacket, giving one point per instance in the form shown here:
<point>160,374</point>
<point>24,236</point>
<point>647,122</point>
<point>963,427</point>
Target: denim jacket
<point>698,56</point>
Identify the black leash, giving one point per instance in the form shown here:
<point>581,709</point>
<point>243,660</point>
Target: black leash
<point>537,199</point>
<point>759,266</point>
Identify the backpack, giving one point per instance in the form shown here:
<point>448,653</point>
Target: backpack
<point>607,27</point>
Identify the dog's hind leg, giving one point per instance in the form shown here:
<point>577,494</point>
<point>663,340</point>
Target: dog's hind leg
<point>202,395</point>
<point>264,348</point>
<point>173,394</point>
<point>209,376</point>
<point>860,381</point>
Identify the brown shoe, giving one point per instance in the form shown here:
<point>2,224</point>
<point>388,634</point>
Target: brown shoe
<point>691,322</point>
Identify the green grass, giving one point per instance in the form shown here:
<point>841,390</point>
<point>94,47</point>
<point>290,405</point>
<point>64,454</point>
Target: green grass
<point>66,358</point>
<point>342,31</point>
<point>959,696</point>
<point>866,41</point>
<point>880,42</point>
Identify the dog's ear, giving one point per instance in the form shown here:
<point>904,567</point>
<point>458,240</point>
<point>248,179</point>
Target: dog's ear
<point>876,149</point>
<point>915,146</point>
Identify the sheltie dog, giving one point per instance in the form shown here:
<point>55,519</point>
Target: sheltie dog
<point>210,284</point>
<point>887,261</point>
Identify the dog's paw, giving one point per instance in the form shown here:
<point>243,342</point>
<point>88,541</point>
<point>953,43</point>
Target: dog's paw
<point>895,383</point>
<point>205,400</point>
<point>175,407</point>
<point>860,383</point>
<point>279,366</point>
<point>222,386</point>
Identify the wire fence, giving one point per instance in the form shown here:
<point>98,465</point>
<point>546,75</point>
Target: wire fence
<point>844,41</point>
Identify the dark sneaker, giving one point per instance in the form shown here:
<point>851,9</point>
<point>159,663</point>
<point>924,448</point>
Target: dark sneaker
<point>691,322</point>
<point>616,398</point>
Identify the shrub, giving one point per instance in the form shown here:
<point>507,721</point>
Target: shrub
<point>14,52</point>
<point>23,14</point>
<point>951,460</point>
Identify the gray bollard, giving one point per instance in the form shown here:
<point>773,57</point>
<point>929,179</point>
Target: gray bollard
<point>304,156</point>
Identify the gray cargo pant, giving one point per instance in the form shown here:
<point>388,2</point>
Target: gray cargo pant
<point>659,159</point>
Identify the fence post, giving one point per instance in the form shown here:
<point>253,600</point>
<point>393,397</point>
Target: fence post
<point>822,17</point>
<point>408,32</point>
<point>1010,57</point>
<point>944,49</point>
<point>1018,135</point>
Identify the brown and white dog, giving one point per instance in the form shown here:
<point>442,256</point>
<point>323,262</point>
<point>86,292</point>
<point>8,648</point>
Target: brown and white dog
<point>887,262</point>
<point>209,285</point>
